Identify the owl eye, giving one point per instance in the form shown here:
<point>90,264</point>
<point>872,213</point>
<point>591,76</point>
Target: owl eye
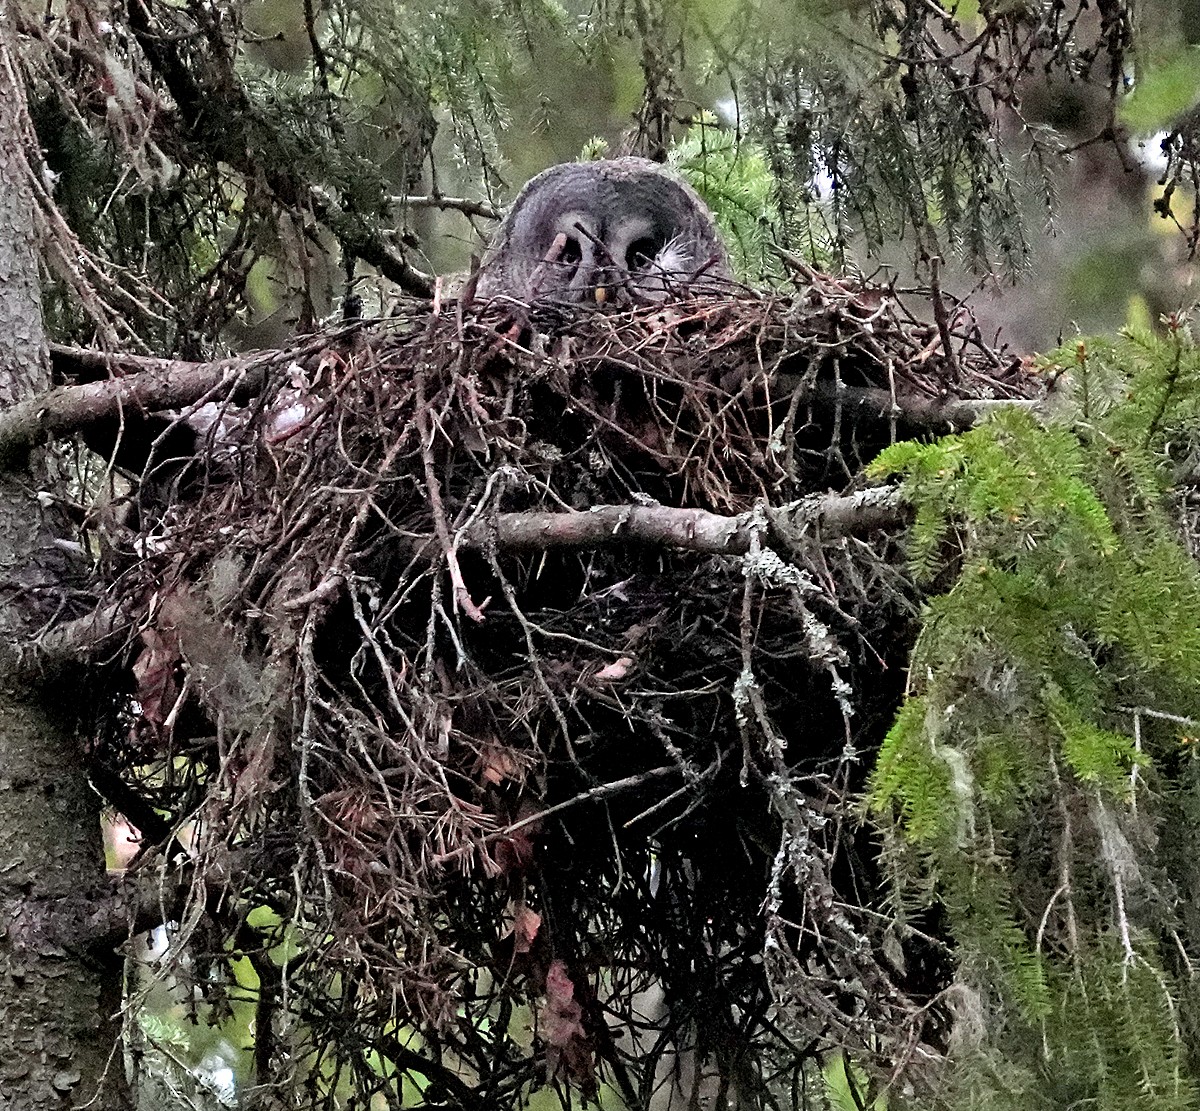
<point>569,259</point>
<point>641,253</point>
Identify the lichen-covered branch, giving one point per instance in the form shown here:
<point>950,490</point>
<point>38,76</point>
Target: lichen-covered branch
<point>695,530</point>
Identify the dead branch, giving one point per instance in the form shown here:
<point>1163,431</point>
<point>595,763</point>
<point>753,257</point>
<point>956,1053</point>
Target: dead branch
<point>464,205</point>
<point>916,409</point>
<point>73,408</point>
<point>154,385</point>
<point>941,315</point>
<point>148,384</point>
<point>695,530</point>
<point>107,630</point>
<point>102,633</point>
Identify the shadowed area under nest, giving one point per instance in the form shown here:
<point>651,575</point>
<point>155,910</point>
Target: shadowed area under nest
<point>521,806</point>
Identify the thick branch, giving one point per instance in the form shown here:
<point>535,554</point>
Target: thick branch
<point>695,530</point>
<point>94,921</point>
<point>74,408</point>
<point>87,364</point>
<point>97,635</point>
<point>833,515</point>
<point>145,385</point>
<point>917,409</point>
<point>827,516</point>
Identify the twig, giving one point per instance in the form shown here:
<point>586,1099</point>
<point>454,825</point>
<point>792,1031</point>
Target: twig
<point>434,492</point>
<point>941,317</point>
<point>600,791</point>
<point>931,412</point>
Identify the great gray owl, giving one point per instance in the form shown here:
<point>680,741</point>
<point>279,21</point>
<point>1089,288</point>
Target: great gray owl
<point>621,231</point>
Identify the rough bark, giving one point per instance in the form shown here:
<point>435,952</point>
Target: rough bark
<point>57,997</point>
<point>695,530</point>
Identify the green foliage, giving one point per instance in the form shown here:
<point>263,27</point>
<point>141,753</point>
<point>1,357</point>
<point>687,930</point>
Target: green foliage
<point>1029,773</point>
<point>841,122</point>
<point>1111,1040</point>
<point>846,1085</point>
<point>736,181</point>
<point>1096,756</point>
<point>891,145</point>
<point>910,775</point>
<point>594,149</point>
<point>1163,93</point>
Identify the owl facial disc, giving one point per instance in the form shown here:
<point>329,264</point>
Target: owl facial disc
<point>615,232</point>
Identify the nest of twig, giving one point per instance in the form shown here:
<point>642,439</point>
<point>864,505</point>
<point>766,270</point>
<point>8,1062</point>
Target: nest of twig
<point>486,772</point>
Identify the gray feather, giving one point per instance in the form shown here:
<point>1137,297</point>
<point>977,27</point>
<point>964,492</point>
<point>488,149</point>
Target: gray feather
<point>629,228</point>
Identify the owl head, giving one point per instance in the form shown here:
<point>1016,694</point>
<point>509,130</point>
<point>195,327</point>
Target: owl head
<point>620,231</point>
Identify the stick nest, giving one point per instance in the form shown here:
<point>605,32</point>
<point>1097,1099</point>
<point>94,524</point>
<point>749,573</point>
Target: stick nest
<point>565,810</point>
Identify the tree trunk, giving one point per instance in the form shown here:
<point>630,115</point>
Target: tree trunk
<point>58,1006</point>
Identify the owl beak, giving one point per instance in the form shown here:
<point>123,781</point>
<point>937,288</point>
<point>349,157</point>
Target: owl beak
<point>601,294</point>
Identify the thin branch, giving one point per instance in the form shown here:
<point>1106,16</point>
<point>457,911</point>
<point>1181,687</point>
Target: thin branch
<point>464,205</point>
<point>364,242</point>
<point>941,317</point>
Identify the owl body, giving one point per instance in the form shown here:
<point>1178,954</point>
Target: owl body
<point>623,231</point>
